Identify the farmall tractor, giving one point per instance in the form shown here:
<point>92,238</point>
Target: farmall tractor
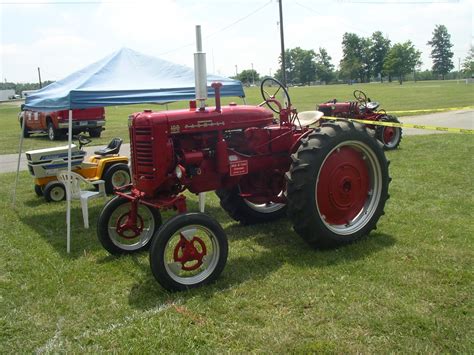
<point>365,109</point>
<point>332,180</point>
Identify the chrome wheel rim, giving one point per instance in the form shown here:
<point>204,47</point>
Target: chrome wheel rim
<point>373,171</point>
<point>126,240</point>
<point>57,193</point>
<point>197,266</point>
<point>120,178</point>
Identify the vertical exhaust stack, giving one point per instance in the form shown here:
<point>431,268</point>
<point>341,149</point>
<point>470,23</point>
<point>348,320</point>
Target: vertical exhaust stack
<point>200,73</point>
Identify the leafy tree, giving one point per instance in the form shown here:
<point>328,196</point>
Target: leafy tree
<point>378,51</point>
<point>401,60</point>
<point>300,66</point>
<point>351,62</point>
<point>468,64</point>
<point>355,62</point>
<point>441,50</point>
<point>324,67</point>
<point>19,87</point>
<point>249,76</point>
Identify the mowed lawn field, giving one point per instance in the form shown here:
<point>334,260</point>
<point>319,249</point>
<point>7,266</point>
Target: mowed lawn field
<point>405,288</point>
<point>401,99</point>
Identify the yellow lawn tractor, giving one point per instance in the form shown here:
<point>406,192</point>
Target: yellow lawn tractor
<point>106,164</point>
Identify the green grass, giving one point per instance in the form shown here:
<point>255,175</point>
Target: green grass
<point>430,95</point>
<point>406,288</point>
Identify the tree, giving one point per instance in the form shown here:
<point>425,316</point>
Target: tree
<point>300,66</point>
<point>355,62</point>
<point>248,76</point>
<point>324,67</point>
<point>441,50</point>
<point>468,63</point>
<point>378,51</point>
<point>351,63</point>
<point>402,59</point>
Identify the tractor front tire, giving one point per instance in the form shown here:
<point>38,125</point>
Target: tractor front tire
<point>54,191</point>
<point>117,175</point>
<point>337,184</point>
<point>246,212</point>
<point>188,251</point>
<point>113,234</point>
<point>389,136</point>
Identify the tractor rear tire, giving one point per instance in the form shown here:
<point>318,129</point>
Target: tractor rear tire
<point>115,214</point>
<point>389,136</point>
<point>117,175</point>
<point>54,191</point>
<point>337,184</point>
<point>247,212</point>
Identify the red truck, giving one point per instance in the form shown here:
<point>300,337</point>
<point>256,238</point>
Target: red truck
<point>55,123</point>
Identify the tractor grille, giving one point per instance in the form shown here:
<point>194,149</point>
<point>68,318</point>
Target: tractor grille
<point>142,152</point>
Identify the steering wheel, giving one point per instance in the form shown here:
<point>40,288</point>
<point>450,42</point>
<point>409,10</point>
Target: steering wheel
<point>266,87</point>
<point>83,140</point>
<point>360,96</point>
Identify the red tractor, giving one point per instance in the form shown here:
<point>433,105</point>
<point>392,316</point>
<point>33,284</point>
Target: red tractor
<point>365,109</point>
<point>332,181</point>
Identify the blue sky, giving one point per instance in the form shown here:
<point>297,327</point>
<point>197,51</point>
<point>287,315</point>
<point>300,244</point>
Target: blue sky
<point>60,38</point>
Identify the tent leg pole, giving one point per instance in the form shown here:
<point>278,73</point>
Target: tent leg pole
<point>20,148</point>
<point>68,185</point>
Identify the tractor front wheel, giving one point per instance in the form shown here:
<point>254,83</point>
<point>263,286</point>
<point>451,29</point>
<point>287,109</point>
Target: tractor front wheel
<point>337,184</point>
<point>189,250</point>
<point>389,136</point>
<point>119,234</point>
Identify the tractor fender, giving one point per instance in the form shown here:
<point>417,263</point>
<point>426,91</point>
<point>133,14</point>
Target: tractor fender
<point>297,142</point>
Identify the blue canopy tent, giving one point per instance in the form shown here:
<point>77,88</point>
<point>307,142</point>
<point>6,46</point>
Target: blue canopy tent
<point>122,78</point>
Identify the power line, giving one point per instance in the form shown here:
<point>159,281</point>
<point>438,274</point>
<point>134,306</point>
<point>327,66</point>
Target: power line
<point>222,29</point>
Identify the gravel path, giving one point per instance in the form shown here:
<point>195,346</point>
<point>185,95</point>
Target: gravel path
<point>455,119</point>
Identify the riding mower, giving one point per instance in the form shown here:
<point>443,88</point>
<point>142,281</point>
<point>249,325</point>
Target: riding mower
<point>365,109</point>
<point>106,164</point>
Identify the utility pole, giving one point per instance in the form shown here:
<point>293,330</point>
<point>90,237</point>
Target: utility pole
<point>236,72</point>
<point>282,39</point>
<point>253,78</point>
<point>39,77</point>
<point>459,69</point>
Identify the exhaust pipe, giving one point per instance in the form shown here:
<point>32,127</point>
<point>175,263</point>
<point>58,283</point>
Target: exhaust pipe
<point>200,73</point>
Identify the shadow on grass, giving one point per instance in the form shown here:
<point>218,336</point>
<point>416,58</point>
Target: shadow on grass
<point>269,248</point>
<point>51,226</point>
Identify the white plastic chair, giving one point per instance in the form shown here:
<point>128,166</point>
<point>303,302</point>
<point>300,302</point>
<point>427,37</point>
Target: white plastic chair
<point>83,195</point>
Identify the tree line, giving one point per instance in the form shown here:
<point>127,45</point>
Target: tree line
<point>367,58</point>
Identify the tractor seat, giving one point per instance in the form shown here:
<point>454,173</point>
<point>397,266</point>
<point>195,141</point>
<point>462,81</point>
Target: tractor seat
<point>308,118</point>
<point>112,148</point>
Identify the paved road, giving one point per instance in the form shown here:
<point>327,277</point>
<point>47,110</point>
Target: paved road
<point>456,119</point>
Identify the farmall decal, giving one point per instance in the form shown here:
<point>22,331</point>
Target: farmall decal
<point>204,124</point>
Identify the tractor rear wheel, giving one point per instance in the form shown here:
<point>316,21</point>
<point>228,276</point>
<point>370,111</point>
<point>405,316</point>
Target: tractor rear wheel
<point>247,212</point>
<point>389,136</point>
<point>117,235</point>
<point>337,184</point>
<point>188,251</point>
